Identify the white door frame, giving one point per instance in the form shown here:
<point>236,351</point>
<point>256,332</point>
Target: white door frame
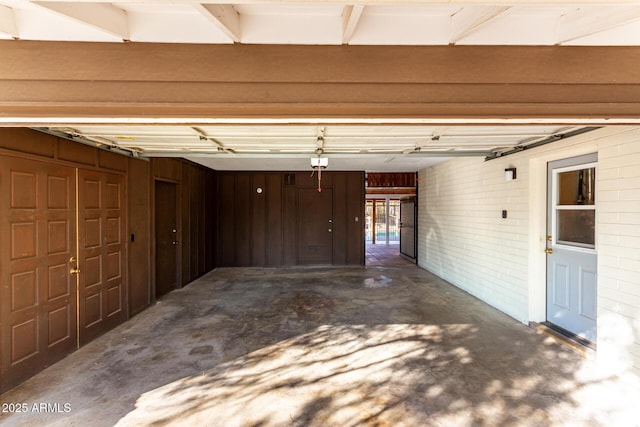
<point>537,278</point>
<point>575,256</point>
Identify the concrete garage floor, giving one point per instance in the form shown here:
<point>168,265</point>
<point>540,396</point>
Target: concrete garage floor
<point>375,346</point>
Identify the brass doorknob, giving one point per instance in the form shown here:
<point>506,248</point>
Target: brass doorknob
<point>548,251</point>
<point>74,270</point>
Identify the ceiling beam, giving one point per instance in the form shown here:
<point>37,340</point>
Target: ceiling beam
<point>222,16</point>
<point>101,16</point>
<point>350,18</point>
<point>274,81</point>
<point>586,22</point>
<point>7,22</point>
<point>472,18</point>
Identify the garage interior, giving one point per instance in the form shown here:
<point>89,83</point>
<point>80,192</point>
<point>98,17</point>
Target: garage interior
<point>201,202</point>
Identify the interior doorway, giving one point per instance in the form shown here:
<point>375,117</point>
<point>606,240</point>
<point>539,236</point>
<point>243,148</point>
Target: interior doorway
<point>166,233</point>
<point>382,232</point>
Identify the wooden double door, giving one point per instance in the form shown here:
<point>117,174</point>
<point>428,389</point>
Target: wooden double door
<point>62,262</point>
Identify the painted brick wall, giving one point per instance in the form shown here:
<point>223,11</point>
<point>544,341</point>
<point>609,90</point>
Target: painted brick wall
<point>619,250</point>
<point>463,239</point>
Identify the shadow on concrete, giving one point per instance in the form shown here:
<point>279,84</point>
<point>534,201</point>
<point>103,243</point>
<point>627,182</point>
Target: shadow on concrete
<point>326,347</point>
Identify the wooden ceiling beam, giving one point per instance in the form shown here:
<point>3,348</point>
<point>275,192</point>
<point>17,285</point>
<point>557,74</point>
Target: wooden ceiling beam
<point>317,81</point>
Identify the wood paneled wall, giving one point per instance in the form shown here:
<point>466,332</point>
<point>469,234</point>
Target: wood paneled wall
<point>261,229</point>
<point>139,210</point>
<point>40,146</point>
<point>133,176</point>
<point>196,212</point>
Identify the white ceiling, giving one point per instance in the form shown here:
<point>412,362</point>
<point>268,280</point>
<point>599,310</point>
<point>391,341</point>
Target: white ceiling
<point>372,22</point>
<point>358,145</point>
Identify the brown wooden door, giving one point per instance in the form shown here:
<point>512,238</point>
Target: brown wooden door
<point>101,257</point>
<point>166,237</point>
<point>315,226</point>
<point>37,243</point>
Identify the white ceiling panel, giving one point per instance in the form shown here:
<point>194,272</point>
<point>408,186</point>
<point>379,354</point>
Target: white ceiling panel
<point>624,33</point>
<point>524,25</point>
<point>173,24</point>
<point>411,22</point>
<point>394,163</point>
<point>34,22</point>
<point>403,29</point>
<point>290,9</point>
<point>291,29</point>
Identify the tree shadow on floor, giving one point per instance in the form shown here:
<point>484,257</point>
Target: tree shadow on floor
<point>338,347</point>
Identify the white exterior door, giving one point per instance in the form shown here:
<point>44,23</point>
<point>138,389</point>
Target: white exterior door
<point>571,245</point>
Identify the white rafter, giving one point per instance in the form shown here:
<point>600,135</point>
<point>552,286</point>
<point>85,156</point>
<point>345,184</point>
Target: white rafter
<point>7,22</point>
<point>223,16</point>
<point>350,17</point>
<point>470,19</point>
<point>101,16</point>
<point>583,23</point>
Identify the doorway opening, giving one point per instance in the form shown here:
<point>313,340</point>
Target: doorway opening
<point>387,225</point>
<point>383,229</point>
<point>382,221</point>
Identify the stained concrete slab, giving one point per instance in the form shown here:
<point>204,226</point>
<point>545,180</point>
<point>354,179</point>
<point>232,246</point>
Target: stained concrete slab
<point>376,346</point>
